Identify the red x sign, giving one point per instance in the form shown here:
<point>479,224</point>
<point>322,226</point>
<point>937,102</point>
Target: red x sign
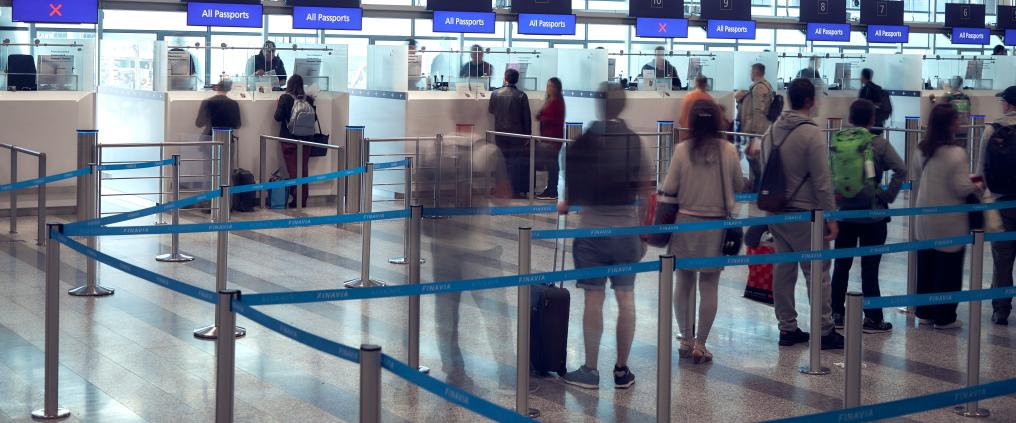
<point>663,27</point>
<point>55,10</point>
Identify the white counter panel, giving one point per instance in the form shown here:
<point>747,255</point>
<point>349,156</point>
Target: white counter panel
<point>45,121</point>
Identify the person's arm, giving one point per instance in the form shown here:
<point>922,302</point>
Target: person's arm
<point>464,71</point>
<point>283,108</point>
<point>891,161</point>
<point>557,113</point>
<point>527,116</point>
<point>960,182</point>
<point>280,69</point>
<point>761,99</point>
<point>733,168</point>
<point>202,119</point>
<point>490,103</point>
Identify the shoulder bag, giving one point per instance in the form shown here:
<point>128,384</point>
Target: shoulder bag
<point>732,237</point>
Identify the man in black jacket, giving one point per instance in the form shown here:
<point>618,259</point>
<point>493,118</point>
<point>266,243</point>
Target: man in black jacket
<point>510,107</point>
<point>663,69</point>
<point>873,92</point>
<point>267,62</point>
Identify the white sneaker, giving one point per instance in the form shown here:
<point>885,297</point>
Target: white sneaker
<point>925,322</point>
<point>954,325</point>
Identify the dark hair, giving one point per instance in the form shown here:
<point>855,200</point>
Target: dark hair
<point>940,129</point>
<point>799,91</point>
<point>556,82</point>
<point>759,67</point>
<point>511,75</point>
<point>659,48</point>
<point>867,73</point>
<point>701,82</point>
<point>862,113</point>
<point>267,43</point>
<point>706,121</point>
<point>411,41</point>
<point>295,86</point>
<point>475,48</point>
<point>999,50</point>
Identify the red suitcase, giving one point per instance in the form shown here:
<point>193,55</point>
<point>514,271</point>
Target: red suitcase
<point>760,277</point>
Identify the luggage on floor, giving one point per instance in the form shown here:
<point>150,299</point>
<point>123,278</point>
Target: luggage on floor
<point>760,276</point>
<point>243,202</point>
<point>277,197</point>
<point>548,328</point>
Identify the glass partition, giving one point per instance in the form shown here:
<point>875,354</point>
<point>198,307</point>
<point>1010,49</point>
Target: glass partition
<point>896,71</point>
<point>64,65</point>
<point>387,68</point>
<point>834,72</point>
<point>127,64</point>
<point>743,61</point>
<point>976,72</point>
<point>581,70</point>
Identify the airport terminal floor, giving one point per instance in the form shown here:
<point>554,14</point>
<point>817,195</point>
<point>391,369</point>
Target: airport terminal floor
<point>131,357</point>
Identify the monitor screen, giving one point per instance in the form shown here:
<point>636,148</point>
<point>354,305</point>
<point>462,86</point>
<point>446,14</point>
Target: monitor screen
<point>546,7</point>
<point>824,11</point>
<point>224,14</point>
<point>1006,17</point>
<point>459,5</point>
<point>964,15</point>
<point>63,11</point>
<point>307,67</point>
<point>665,9</point>
<point>731,10</point>
<point>881,12</point>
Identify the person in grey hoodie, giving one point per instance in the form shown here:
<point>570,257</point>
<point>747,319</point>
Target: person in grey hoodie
<point>810,187</point>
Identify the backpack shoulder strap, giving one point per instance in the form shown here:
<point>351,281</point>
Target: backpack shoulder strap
<point>791,131</point>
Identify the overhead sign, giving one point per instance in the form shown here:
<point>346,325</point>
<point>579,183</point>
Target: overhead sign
<point>1010,37</point>
<point>224,14</point>
<point>533,24</point>
<point>1006,17</point>
<point>978,36</point>
<point>964,15</point>
<point>825,11</point>
<point>733,30</point>
<point>661,28</point>
<point>464,22</point>
<point>540,7</point>
<point>55,11</point>
<point>731,10</point>
<point>341,4</point>
<point>881,12</point>
<point>888,34</point>
<point>307,17</point>
<point>460,5</point>
<point>828,32</point>
<point>664,9</point>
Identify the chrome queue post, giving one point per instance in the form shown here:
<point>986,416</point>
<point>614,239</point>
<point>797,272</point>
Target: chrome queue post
<point>224,138</point>
<point>664,148</point>
<point>814,366</point>
<point>522,355</point>
<point>14,193</point>
<point>664,348</point>
<point>408,196</point>
<point>51,408</point>
<point>355,158</point>
<point>174,255</point>
<point>832,125</point>
<point>974,143</point>
<point>88,144</point>
<point>971,409</point>
<point>211,332</point>
<point>413,256</point>
<point>263,169</point>
<point>299,174</point>
<point>91,288</point>
<point>370,383</point>
<point>225,359</point>
<point>852,366</point>
<point>912,137</point>
<point>41,213</point>
<point>366,197</point>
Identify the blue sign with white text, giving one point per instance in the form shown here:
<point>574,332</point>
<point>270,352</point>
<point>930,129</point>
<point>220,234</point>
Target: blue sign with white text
<point>533,24</point>
<point>55,11</point>
<point>734,30</point>
<point>1010,37</point>
<point>828,32</point>
<point>464,22</point>
<point>661,28</point>
<point>979,36</point>
<point>224,14</point>
<point>350,19</point>
<point>888,34</point>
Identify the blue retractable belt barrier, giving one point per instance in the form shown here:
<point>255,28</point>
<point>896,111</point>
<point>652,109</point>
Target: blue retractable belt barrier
<point>389,165</point>
<point>309,339</point>
<point>136,165</point>
<point>917,211</point>
<point>745,197</point>
<point>299,181</point>
<point>1000,236</point>
<point>45,179</point>
<point>167,282</point>
<point>446,287</point>
<point>495,211</point>
<point>450,393</point>
<point>84,230</point>
<point>123,217</point>
<point>674,227</point>
<point>903,407</point>
<point>939,298</point>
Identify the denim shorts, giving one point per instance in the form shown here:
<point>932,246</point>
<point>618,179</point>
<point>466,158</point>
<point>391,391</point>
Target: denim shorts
<point>593,252</point>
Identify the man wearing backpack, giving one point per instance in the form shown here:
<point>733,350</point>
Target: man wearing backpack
<point>796,178</point>
<point>858,159</point>
<point>753,110</point>
<point>880,98</point>
<point>997,165</point>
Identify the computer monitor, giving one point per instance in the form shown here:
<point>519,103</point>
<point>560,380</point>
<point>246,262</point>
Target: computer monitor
<point>55,71</point>
<point>307,67</point>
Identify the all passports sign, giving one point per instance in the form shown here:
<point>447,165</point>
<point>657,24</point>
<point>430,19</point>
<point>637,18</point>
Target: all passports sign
<point>464,22</point>
<point>327,18</point>
<point>828,32</point>
<point>976,36</point>
<point>224,14</point>
<point>888,34</point>
<point>532,24</point>
<point>734,30</point>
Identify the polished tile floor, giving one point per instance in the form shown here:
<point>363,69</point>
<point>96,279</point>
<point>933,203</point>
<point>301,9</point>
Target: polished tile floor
<point>131,357</point>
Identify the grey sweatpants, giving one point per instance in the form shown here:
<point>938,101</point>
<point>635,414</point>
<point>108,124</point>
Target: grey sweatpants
<point>792,238</point>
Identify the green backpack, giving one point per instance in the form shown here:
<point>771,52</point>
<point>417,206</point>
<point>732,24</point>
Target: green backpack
<point>854,185</point>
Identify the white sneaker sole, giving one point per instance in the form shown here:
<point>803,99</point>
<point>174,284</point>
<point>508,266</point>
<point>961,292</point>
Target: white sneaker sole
<point>580,384</point>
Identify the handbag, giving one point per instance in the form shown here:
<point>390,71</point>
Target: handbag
<point>732,237</point>
<point>320,139</point>
<point>662,210</point>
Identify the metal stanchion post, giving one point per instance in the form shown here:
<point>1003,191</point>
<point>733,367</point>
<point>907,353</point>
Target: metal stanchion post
<point>834,124</point>
<point>174,255</point>
<point>159,217</point>
<point>974,146</point>
<point>971,409</point>
<point>224,136</point>
<point>340,183</point>
<point>439,170</point>
<point>87,143</point>
<point>814,366</point>
<point>299,174</point>
<point>522,355</point>
<point>664,146</point>
<point>91,288</point>
<point>531,189</point>
<point>211,332</point>
<point>415,218</point>
<point>364,281</point>
<point>852,368</point>
<point>14,193</point>
<point>370,383</point>
<point>409,201</point>
<point>663,342</point>
<point>41,213</point>
<point>354,159</point>
<point>263,170</point>
<point>225,358</point>
<point>51,409</point>
<point>913,125</point>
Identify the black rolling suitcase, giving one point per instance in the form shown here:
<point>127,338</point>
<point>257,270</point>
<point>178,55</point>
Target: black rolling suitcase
<point>243,202</point>
<point>548,326</point>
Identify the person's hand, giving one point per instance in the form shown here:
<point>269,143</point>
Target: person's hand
<point>740,95</point>
<point>832,230</point>
<point>754,148</point>
<point>562,207</point>
<point>259,73</point>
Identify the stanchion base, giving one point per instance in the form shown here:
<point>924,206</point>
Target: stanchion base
<point>533,413</point>
<point>173,258</point>
<point>359,283</point>
<point>61,413</point>
<point>210,333</point>
<point>974,412</point>
<point>424,369</point>
<point>402,260</point>
<point>814,372</point>
<point>85,291</point>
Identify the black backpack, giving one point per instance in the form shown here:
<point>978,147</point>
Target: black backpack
<point>244,201</point>
<point>1000,160</point>
<point>885,107</point>
<point>772,194</point>
<point>775,108</point>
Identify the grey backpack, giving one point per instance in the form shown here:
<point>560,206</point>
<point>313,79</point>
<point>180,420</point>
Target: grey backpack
<point>302,118</point>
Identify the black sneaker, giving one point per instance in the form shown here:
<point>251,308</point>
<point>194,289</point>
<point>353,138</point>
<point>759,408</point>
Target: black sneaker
<point>838,320</point>
<point>871,326</point>
<point>547,195</point>
<point>792,338</point>
<point>1000,318</point>
<point>832,341</point>
<point>623,377</point>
